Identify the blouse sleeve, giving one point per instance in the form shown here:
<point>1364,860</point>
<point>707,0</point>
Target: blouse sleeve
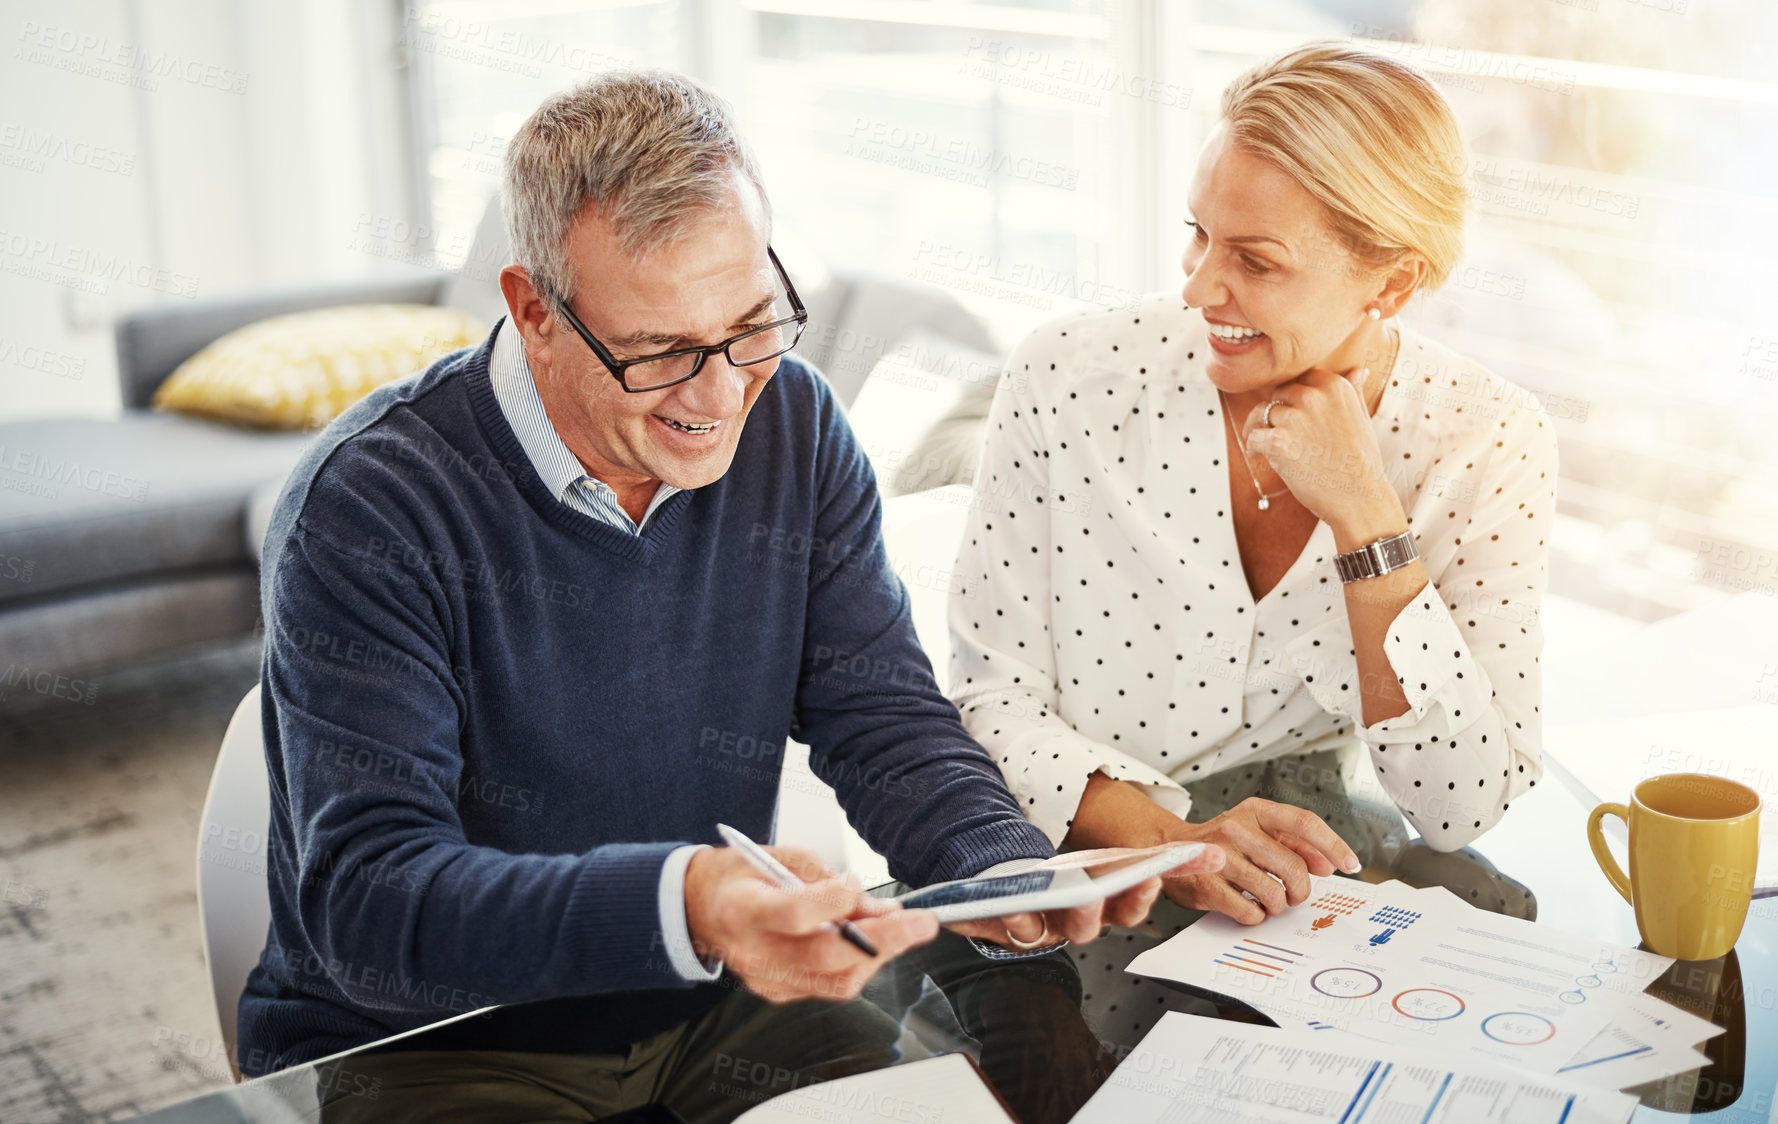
<point>1003,668</point>
<point>1466,650</point>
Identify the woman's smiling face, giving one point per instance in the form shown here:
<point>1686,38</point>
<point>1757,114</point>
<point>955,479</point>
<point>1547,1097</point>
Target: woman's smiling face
<point>1263,259</point>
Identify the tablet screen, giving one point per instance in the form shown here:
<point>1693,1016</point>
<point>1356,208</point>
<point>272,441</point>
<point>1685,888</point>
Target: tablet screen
<point>1062,882</point>
<point>979,889</point>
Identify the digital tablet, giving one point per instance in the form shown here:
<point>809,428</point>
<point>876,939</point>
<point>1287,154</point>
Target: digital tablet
<point>1063,882</point>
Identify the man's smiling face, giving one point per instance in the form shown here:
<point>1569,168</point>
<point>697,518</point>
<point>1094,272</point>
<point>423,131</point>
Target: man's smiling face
<point>712,283</point>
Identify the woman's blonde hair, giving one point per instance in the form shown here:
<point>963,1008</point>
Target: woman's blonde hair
<point>1368,136</point>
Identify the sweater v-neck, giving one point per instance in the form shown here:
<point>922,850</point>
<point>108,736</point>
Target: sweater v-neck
<point>635,548</point>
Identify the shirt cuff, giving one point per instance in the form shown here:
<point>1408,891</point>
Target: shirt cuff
<point>1048,771</point>
<point>1430,656</point>
<point>675,932</point>
<point>1426,651</point>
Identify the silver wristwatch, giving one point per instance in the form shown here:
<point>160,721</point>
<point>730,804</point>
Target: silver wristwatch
<point>1373,560</point>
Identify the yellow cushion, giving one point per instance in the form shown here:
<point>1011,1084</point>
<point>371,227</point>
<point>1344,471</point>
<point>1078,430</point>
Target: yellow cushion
<point>302,370</point>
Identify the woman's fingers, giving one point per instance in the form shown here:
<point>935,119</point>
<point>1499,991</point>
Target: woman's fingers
<point>1291,393</point>
<point>1319,864</point>
<point>1281,866</point>
<point>1213,892</point>
<point>1210,859</point>
<point>1284,819</point>
<point>1356,378</point>
<point>1246,872</point>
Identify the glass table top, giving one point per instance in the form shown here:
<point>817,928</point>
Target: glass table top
<point>1047,1032</point>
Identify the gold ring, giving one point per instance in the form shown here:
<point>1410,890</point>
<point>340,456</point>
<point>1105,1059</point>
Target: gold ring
<point>1043,938</point>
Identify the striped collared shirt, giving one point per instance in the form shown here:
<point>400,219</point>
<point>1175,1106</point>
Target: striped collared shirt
<point>561,470</point>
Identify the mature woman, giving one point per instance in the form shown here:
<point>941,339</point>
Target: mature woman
<point>1267,518</point>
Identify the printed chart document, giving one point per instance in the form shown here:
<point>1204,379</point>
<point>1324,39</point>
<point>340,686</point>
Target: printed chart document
<point>1410,966</point>
<point>1655,1042</point>
<point>946,1088</point>
<point>1190,1070</point>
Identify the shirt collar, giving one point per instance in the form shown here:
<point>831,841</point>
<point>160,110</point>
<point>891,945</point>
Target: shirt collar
<point>509,370</point>
<point>515,390</point>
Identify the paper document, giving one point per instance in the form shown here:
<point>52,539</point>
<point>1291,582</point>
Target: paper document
<point>1190,1070</point>
<point>1415,966</point>
<point>1656,1040</point>
<point>945,1088</point>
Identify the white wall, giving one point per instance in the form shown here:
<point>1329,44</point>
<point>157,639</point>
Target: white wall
<point>158,153</point>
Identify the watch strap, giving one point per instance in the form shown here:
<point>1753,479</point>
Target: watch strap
<point>1373,560</point>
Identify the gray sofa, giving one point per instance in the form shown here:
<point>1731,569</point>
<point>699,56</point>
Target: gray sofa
<point>123,537</point>
<point>129,537</point>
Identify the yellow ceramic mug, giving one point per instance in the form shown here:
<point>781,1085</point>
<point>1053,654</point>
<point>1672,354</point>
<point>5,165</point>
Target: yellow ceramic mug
<point>1694,843</point>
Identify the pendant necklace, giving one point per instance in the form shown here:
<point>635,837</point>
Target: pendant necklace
<point>1265,497</point>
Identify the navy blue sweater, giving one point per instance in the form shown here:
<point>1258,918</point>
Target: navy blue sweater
<point>488,717</point>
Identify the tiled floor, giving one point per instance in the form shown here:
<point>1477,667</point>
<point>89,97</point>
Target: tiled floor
<point>105,1006</point>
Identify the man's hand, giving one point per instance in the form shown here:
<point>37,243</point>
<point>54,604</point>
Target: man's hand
<point>1083,924</point>
<point>1271,848</point>
<point>782,943</point>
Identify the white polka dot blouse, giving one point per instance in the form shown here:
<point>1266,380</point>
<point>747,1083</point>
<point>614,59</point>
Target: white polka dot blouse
<point>1101,621</point>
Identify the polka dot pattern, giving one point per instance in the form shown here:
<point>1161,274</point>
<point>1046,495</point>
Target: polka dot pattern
<point>1101,620</point>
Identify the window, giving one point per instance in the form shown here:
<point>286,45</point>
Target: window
<point>1033,157</point>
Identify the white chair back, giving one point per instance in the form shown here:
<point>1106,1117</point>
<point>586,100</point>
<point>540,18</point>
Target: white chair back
<point>234,907</point>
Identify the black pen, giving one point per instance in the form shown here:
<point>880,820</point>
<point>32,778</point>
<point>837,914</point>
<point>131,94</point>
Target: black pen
<point>785,877</point>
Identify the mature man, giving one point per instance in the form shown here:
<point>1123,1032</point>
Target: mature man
<point>521,610</point>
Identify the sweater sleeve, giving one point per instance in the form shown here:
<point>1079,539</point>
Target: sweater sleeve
<point>919,790</point>
<point>389,894</point>
<point>1003,664</point>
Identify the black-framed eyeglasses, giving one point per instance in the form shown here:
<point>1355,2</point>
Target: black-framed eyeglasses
<point>669,368</point>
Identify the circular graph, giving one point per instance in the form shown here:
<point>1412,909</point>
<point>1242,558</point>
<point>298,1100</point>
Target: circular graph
<point>1518,1028</point>
<point>1346,983</point>
<point>1584,984</point>
<point>1428,1004</point>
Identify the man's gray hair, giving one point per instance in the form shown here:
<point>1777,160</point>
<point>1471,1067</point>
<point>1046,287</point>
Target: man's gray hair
<point>648,149</point>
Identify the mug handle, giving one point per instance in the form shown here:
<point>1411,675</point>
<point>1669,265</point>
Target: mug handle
<point>1601,854</point>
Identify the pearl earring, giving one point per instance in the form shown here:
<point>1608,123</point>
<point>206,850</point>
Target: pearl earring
<point>1373,313</point>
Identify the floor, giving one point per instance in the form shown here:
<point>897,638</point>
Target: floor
<point>105,1008</point>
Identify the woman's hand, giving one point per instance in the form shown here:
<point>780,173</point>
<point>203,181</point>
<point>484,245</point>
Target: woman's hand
<point>1270,849</point>
<point>1321,444</point>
